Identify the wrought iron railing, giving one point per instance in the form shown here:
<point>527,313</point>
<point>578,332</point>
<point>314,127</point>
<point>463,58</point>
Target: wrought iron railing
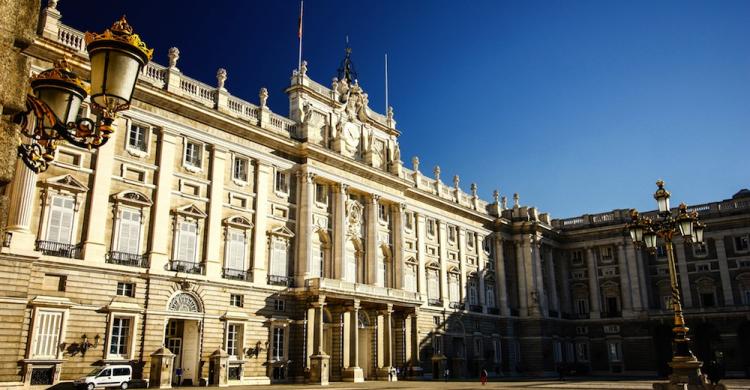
<point>456,305</point>
<point>493,310</point>
<point>187,267</point>
<point>51,248</point>
<point>237,274</point>
<point>124,258</point>
<point>611,314</point>
<point>434,302</point>
<point>279,280</point>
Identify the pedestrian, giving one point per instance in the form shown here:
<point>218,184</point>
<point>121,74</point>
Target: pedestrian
<point>446,373</point>
<point>483,377</point>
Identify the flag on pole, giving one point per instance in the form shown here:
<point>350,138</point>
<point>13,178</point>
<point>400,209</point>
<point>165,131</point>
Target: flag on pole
<point>299,30</point>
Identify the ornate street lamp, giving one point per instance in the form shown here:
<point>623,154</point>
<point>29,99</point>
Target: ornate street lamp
<point>645,231</point>
<point>117,56</point>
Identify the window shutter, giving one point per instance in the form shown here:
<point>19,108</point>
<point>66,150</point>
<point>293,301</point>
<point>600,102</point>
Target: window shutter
<point>47,334</point>
<point>279,258</point>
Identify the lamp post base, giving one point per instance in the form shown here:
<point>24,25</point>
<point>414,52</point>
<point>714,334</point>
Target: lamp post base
<point>686,375</point>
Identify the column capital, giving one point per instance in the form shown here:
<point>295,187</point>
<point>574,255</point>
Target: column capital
<point>342,188</point>
<point>320,302</point>
<point>354,306</point>
<point>374,199</point>
<point>306,176</point>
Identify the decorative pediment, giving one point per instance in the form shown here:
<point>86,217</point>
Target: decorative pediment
<point>190,210</point>
<point>66,182</point>
<point>133,197</point>
<point>411,260</point>
<point>281,231</point>
<point>454,270</point>
<point>432,265</point>
<point>123,304</point>
<point>239,221</point>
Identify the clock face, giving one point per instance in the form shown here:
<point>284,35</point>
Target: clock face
<point>351,134</point>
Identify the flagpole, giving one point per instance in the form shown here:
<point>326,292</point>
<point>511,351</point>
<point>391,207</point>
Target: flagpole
<point>299,34</point>
<point>386,83</point>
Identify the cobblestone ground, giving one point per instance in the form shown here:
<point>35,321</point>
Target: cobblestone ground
<point>583,384</point>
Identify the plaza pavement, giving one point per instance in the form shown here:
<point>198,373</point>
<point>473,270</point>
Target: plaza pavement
<point>528,384</point>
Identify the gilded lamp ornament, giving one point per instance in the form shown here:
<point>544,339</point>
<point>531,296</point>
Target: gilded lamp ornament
<point>117,56</point>
<point>645,232</point>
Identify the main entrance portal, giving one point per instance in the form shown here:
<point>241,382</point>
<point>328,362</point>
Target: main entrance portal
<point>182,338</point>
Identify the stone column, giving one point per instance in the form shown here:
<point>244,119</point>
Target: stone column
<point>554,303</point>
<point>304,226</point>
<point>21,204</point>
<point>681,262</point>
<point>726,282</point>
<point>94,244</point>
<point>481,258</point>
<point>462,286</point>
<point>521,278</point>
<point>415,369</point>
<point>319,361</point>
<point>159,237</point>
<point>635,287</point>
<point>385,343</point>
<point>501,282</point>
<point>420,222</point>
<point>625,286</point>
<point>565,287</point>
<point>339,231</point>
<point>593,284</point>
<point>263,178</point>
<point>536,264</point>
<point>371,260</point>
<point>214,235</point>
<point>397,218</point>
<point>443,250</point>
<point>352,373</point>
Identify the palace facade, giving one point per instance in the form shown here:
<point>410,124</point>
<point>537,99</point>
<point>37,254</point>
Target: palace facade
<point>213,240</point>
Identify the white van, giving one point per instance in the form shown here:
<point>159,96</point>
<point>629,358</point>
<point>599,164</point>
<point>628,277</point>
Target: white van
<point>107,376</point>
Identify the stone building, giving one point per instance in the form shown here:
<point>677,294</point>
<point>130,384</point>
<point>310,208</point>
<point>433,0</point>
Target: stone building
<point>214,240</point>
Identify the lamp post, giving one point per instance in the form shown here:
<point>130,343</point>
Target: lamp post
<point>645,231</point>
<point>117,56</point>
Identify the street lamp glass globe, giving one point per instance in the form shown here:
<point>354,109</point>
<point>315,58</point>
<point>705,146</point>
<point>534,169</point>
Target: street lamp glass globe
<point>649,238</point>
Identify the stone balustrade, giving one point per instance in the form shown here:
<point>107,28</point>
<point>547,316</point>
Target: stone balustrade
<point>359,289</point>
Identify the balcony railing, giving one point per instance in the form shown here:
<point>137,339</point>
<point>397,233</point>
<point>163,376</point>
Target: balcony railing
<point>124,258</point>
<point>187,267</point>
<point>237,274</point>
<point>475,308</point>
<point>456,305</point>
<point>611,314</point>
<point>554,313</point>
<point>279,280</point>
<point>434,302</point>
<point>493,310</point>
<point>51,248</point>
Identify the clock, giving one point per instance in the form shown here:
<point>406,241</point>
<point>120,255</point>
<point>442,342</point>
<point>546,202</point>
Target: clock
<point>351,135</point>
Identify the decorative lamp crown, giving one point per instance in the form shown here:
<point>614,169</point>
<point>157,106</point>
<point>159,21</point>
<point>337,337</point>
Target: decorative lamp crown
<point>60,73</point>
<point>662,197</point>
<point>61,90</point>
<point>122,32</point>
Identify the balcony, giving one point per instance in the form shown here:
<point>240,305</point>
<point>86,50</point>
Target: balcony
<point>51,248</point>
<point>435,302</point>
<point>611,314</point>
<point>475,308</point>
<point>456,305</point>
<point>124,258</point>
<point>278,280</point>
<point>343,287</point>
<point>236,274</point>
<point>187,267</point>
<point>493,310</point>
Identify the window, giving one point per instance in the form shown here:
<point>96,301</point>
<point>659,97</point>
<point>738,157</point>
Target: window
<point>742,243</point>
<point>430,227</point>
<point>582,352</point>
<point>606,254</point>
<point>279,304</point>
<point>47,328</point>
<point>60,225</point>
<point>193,154</point>
<point>614,351</point>
<point>582,306</point>
<point>236,300</point>
<point>745,295</point>
<point>707,299</point>
<point>454,294</point>
<point>705,267</point>
<point>409,222</point>
<point>279,256</point>
<point>380,270</point>
<point>234,257</point>
<point>700,249</point>
<point>410,277</point>
<point>383,212</point>
<point>579,275</point>
<point>498,351</point>
<point>576,258</point>
<point>473,298</point>
<point>433,284</point>
<point>187,242</point>
<point>350,274</point>
<point>661,251</point>
<point>470,240</point>
<point>53,282</point>
<point>277,344</point>
<point>437,344</point>
<point>582,330</point>
<point>557,351</point>
<point>666,302</point>
<point>129,231</point>
<point>126,289</point>
<point>281,183</point>
<point>234,341</point>
<point>137,137</point>
<point>316,265</point>
<point>489,298</point>
<point>477,346</point>
<point>452,233</point>
<point>321,193</point>
<point>239,169</point>
<point>119,337</point>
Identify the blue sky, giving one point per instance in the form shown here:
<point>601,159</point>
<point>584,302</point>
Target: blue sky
<point>577,105</point>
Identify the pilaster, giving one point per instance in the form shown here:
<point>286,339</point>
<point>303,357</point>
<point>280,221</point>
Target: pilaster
<point>263,177</point>
<point>593,284</point>
<point>463,282</point>
<point>397,229</point>
<point>421,234</point>
<point>352,372</point>
<point>443,242</point>
<point>371,261</point>
<point>636,285</point>
<point>625,286</point>
<point>159,256</point>
<point>481,259</point>
<point>304,226</point>
<point>214,236</point>
<point>339,231</point>
<point>538,278</point>
<point>726,282</point>
<point>500,281</point>
<point>554,303</point>
<point>521,277</point>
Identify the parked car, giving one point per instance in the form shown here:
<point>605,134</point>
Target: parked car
<point>107,376</point>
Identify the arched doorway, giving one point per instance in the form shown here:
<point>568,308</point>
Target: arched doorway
<point>182,335</point>
<point>662,349</point>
